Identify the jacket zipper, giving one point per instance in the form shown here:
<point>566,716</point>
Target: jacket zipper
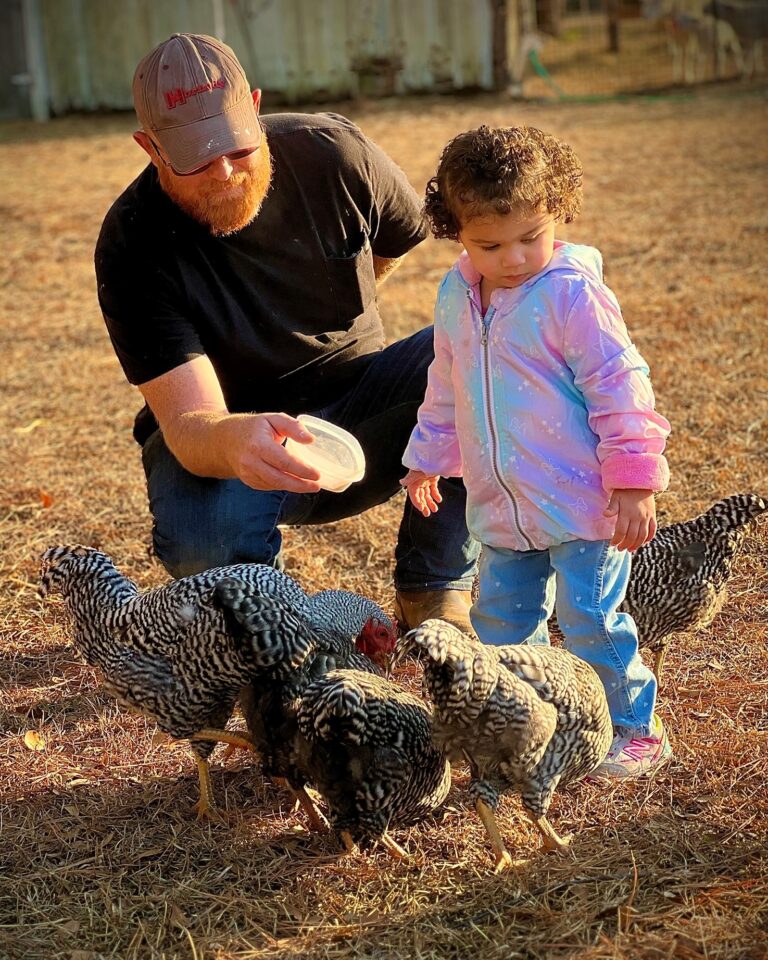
<point>485,322</point>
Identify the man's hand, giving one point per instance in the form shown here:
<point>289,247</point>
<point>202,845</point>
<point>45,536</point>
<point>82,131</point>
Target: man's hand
<point>256,455</point>
<point>209,441</point>
<point>635,512</point>
<point>423,491</point>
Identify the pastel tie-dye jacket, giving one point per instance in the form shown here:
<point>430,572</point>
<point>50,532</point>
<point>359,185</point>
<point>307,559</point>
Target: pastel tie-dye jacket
<point>543,405</point>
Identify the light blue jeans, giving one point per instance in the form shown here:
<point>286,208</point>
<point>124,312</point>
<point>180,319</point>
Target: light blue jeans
<point>585,583</point>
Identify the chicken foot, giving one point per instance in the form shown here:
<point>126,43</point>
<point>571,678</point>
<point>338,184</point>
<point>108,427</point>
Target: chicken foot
<point>205,808</point>
<point>241,739</point>
<point>552,840</point>
<point>392,846</point>
<point>302,799</point>
<point>317,821</point>
<point>503,859</point>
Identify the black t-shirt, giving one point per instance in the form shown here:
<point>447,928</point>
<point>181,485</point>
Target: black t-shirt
<point>286,307</point>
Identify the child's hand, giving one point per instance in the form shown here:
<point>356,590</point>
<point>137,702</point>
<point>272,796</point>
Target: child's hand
<point>422,491</point>
<point>635,512</point>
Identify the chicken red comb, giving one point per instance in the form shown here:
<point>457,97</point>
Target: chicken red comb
<point>377,637</point>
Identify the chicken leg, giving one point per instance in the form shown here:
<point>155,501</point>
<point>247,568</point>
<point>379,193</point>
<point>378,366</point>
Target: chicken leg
<point>349,844</point>
<point>552,840</point>
<point>316,820</point>
<point>503,858</point>
<point>242,739</point>
<point>205,806</point>
<point>392,846</point>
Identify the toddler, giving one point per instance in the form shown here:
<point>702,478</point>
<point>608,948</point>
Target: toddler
<point>539,399</point>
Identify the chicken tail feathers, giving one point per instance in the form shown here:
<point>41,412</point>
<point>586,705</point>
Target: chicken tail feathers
<point>460,673</point>
<point>336,708</point>
<point>440,641</point>
<point>274,634</point>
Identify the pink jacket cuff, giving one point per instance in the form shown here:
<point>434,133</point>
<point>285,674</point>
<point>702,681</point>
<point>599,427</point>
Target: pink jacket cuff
<point>639,471</point>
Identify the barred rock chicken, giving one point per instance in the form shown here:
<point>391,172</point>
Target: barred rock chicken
<point>366,746</point>
<point>526,718</point>
<point>357,738</point>
<point>678,580</point>
<point>294,651</point>
<point>168,652</point>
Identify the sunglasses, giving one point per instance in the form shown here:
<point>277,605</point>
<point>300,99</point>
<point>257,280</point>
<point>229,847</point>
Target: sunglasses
<point>234,156</point>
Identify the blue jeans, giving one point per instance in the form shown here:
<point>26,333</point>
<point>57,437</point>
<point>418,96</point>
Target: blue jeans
<point>585,582</point>
<point>201,523</point>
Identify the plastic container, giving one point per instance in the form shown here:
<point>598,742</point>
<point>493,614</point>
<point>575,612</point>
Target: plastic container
<point>335,453</point>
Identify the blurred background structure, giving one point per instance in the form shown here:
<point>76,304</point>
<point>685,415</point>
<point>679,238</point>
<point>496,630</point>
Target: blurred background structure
<point>58,56</point>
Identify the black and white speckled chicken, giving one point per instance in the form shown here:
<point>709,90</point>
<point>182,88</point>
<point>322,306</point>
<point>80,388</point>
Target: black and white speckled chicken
<point>678,580</point>
<point>326,718</point>
<point>366,746</point>
<point>168,653</point>
<point>293,655</point>
<point>526,718</point>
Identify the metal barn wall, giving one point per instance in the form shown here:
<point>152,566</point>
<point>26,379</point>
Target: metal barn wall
<point>14,98</point>
<point>294,49</point>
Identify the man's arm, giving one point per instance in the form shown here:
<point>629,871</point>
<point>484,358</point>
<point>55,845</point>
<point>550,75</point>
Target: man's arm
<point>384,266</point>
<point>210,441</point>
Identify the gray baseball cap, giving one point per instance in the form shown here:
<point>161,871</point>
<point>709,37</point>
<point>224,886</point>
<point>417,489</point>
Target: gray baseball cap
<point>192,96</point>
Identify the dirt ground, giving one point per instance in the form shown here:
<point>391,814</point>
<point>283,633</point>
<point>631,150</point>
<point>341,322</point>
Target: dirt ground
<point>579,63</point>
<point>99,854</point>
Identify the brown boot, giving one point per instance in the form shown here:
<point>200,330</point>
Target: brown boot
<point>413,608</point>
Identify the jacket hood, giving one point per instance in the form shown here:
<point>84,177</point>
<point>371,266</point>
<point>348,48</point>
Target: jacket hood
<point>575,258</point>
<point>567,257</point>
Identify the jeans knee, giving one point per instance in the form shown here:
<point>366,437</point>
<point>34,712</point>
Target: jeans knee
<point>180,563</point>
<point>200,523</point>
<point>191,552</point>
<point>182,559</point>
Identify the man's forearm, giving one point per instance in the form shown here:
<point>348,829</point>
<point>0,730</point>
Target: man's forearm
<point>384,266</point>
<point>202,441</point>
<point>246,446</point>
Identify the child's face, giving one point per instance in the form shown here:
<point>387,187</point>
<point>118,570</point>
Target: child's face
<point>507,250</point>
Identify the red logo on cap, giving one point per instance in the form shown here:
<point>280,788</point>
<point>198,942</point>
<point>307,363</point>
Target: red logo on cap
<point>180,96</point>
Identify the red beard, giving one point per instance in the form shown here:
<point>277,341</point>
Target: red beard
<point>222,207</point>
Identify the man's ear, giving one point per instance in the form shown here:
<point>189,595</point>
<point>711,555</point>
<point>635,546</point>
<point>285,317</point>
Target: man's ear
<point>256,94</point>
<point>146,145</point>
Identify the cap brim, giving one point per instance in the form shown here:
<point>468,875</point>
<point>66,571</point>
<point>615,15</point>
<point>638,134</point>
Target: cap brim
<point>193,145</point>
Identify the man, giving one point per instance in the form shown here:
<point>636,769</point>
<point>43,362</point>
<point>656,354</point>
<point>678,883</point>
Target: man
<point>237,276</point>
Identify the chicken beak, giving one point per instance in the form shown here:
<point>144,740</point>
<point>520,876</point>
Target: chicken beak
<point>389,669</point>
<point>383,661</point>
<point>396,658</point>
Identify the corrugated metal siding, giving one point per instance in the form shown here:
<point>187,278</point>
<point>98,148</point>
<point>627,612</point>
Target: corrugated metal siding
<point>93,46</point>
<point>294,49</point>
<point>14,95</point>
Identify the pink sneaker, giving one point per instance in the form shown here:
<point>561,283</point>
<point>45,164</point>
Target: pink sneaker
<point>636,756</point>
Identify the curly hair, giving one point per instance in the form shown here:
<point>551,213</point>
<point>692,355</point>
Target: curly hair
<point>501,170</point>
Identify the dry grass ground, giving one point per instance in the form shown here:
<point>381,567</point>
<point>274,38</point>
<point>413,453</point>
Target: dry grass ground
<point>100,857</point>
<point>580,64</point>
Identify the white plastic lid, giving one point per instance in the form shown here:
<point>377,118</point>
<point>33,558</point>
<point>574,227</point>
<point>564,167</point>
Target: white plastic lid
<point>335,453</point>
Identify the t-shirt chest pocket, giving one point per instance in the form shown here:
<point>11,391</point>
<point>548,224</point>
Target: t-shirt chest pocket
<point>351,279</point>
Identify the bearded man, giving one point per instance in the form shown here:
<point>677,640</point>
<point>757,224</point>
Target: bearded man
<point>237,277</point>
